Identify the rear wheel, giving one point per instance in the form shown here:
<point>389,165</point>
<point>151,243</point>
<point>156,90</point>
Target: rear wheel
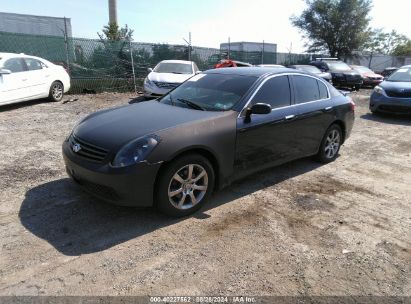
<point>185,185</point>
<point>330,145</point>
<point>56,91</point>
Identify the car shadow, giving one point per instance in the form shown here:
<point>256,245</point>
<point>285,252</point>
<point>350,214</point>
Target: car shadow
<point>23,104</point>
<point>76,223</point>
<point>395,119</point>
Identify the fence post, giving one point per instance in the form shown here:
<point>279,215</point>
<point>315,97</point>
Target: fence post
<point>66,44</point>
<point>132,67</point>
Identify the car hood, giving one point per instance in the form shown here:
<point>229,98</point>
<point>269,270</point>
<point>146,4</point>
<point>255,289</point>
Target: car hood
<point>168,77</point>
<point>371,75</point>
<point>112,128</point>
<point>325,75</point>
<point>346,72</point>
<point>395,86</point>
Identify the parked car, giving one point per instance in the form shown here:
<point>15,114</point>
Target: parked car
<point>342,74</point>
<point>228,63</point>
<point>167,75</point>
<point>216,127</point>
<point>24,77</point>
<point>388,71</point>
<point>313,70</point>
<point>394,94</point>
<point>369,77</point>
<point>271,66</point>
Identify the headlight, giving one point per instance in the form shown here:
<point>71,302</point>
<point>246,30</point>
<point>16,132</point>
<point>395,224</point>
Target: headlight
<point>148,82</point>
<point>378,90</point>
<point>135,151</point>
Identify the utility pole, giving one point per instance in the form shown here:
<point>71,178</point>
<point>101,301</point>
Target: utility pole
<point>189,45</point>
<point>262,54</point>
<point>229,48</point>
<point>112,11</point>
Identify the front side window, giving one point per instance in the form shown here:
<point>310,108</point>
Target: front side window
<point>212,92</point>
<point>15,65</point>
<point>306,89</point>
<point>174,68</point>
<point>33,64</point>
<point>275,92</point>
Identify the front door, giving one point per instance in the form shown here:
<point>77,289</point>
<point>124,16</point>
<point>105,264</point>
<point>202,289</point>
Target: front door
<point>14,86</point>
<point>264,139</point>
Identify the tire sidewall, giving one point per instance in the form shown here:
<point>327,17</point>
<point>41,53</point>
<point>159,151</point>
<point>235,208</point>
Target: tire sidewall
<point>321,153</point>
<point>161,198</point>
<point>51,97</point>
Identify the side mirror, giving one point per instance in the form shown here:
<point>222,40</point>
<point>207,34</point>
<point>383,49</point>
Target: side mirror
<point>261,108</point>
<point>149,70</point>
<point>198,72</point>
<point>4,71</point>
<point>258,108</point>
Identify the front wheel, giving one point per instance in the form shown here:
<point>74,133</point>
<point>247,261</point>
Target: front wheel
<point>56,91</point>
<point>185,185</point>
<point>330,145</point>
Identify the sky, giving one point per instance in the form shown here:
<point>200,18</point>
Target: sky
<point>211,22</point>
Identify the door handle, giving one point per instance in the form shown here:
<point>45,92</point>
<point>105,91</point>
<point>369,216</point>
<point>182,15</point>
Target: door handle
<point>327,109</point>
<point>289,117</point>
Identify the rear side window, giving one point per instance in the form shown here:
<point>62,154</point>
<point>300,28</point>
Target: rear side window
<point>306,89</point>
<point>275,92</point>
<point>15,65</point>
<point>33,64</point>
<point>323,90</point>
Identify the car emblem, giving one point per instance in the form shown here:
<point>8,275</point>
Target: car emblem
<point>76,147</point>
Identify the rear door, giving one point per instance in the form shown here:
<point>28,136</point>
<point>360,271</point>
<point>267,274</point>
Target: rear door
<point>37,77</point>
<point>315,112</point>
<point>14,86</point>
<point>265,139</point>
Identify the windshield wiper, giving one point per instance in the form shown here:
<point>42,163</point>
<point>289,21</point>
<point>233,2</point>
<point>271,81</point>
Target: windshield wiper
<point>191,104</point>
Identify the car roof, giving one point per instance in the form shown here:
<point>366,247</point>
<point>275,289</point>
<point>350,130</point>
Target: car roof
<point>177,61</point>
<point>13,55</point>
<point>252,71</point>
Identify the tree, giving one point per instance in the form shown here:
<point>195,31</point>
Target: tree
<point>385,43</point>
<point>403,49</point>
<point>112,32</point>
<point>337,26</point>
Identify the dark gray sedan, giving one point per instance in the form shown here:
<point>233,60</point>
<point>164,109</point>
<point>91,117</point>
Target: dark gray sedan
<point>216,127</point>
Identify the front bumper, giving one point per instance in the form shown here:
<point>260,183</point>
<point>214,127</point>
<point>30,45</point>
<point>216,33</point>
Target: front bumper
<point>154,91</point>
<point>371,82</point>
<point>129,186</point>
<point>384,103</point>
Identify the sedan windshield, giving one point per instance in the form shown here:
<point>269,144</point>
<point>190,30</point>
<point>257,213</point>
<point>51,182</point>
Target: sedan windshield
<point>338,66</point>
<point>401,75</point>
<point>175,68</point>
<point>211,92</point>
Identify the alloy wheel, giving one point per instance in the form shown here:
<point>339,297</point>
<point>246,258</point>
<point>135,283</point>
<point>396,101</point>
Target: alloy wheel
<point>57,91</point>
<point>332,144</point>
<point>188,186</point>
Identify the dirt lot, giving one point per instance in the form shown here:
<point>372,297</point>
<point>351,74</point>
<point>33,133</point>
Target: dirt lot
<point>299,229</point>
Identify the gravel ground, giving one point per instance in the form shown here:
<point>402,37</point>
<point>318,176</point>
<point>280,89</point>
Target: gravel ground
<point>298,229</point>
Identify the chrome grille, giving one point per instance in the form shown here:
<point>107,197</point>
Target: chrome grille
<point>87,150</point>
<point>166,85</point>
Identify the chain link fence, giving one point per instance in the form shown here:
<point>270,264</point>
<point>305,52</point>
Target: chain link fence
<point>101,65</point>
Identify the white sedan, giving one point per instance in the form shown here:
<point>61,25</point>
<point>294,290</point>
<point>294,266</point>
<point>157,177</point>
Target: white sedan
<point>24,77</point>
<point>167,75</point>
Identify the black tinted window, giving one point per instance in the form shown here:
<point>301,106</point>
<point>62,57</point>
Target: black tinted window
<point>306,89</point>
<point>275,92</point>
<point>323,90</point>
<point>33,64</point>
<point>15,65</point>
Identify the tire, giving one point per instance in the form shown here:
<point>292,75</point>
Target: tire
<point>176,190</point>
<point>56,91</point>
<point>357,87</point>
<point>330,144</point>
